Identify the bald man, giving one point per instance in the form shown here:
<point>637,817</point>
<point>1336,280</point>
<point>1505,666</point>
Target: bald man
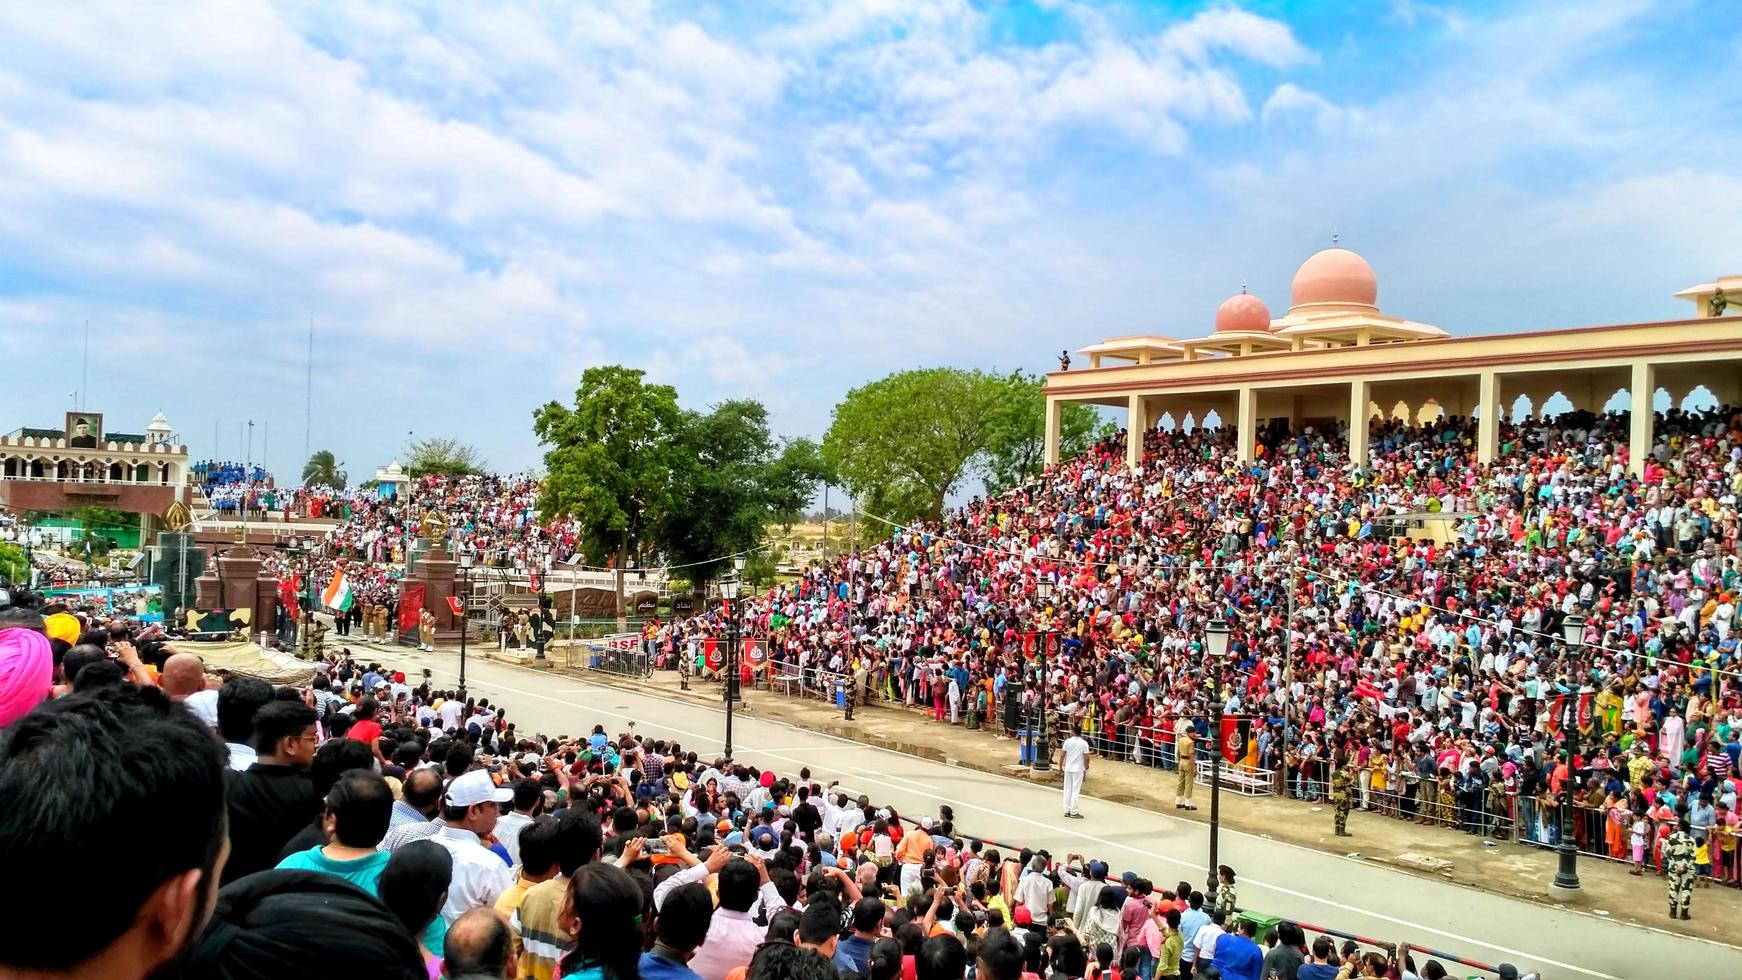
<point>480,943</point>
<point>183,678</point>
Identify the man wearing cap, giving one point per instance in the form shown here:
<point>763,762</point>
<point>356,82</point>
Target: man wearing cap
<point>1188,764</point>
<point>469,811</point>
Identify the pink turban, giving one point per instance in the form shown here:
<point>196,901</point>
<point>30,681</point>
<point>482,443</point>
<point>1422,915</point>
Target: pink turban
<point>26,672</point>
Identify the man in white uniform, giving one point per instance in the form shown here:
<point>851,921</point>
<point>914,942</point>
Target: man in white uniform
<point>1075,752</point>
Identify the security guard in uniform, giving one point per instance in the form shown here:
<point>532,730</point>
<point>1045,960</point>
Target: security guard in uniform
<point>1678,866</point>
<point>1342,796</point>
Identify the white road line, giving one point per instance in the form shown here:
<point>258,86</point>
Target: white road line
<point>904,779</point>
<point>1302,896</point>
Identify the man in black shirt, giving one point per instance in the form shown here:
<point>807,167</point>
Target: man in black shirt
<point>273,799</point>
<point>805,814</point>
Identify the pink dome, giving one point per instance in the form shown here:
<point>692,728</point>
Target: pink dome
<point>1242,312</point>
<point>1335,276</point>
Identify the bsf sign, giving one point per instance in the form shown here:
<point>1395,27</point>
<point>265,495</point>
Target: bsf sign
<point>623,642</point>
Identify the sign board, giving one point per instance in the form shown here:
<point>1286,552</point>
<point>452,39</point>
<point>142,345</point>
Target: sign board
<point>623,642</point>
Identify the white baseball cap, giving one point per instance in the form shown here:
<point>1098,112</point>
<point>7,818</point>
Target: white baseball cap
<point>477,787</point>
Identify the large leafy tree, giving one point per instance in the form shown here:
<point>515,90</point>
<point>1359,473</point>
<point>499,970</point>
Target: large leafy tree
<point>735,479</point>
<point>322,468</point>
<point>612,461</point>
<point>1016,440</point>
<point>903,443</point>
<point>443,457</point>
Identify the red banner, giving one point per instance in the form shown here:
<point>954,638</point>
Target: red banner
<point>713,655</point>
<point>1236,730</point>
<point>755,653</point>
<point>455,604</point>
<point>410,608</point>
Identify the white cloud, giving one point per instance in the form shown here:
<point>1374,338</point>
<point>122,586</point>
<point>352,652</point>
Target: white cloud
<point>1290,100</point>
<point>1235,31</point>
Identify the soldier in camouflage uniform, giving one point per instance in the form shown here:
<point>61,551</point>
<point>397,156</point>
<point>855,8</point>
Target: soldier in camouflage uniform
<point>1342,793</point>
<point>1678,865</point>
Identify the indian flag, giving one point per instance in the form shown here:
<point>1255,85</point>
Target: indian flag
<point>338,595</point>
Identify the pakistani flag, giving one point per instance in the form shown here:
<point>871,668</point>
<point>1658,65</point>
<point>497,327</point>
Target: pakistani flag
<point>338,595</point>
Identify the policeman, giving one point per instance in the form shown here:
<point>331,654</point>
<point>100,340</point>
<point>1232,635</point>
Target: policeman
<point>1678,865</point>
<point>1342,793</point>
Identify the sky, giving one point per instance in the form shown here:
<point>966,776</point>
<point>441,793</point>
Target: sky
<point>472,203</point>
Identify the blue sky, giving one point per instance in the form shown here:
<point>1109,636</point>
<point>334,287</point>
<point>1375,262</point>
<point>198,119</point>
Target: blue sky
<point>474,202</point>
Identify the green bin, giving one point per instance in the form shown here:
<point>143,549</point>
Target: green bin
<point>1266,925</point>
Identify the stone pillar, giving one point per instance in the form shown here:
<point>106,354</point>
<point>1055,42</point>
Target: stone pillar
<point>1246,421</point>
<point>1360,395</point>
<point>437,571</point>
<point>1643,389</point>
<point>266,605</point>
<point>1054,410</point>
<point>1488,426</point>
<point>238,580</point>
<point>1136,423</point>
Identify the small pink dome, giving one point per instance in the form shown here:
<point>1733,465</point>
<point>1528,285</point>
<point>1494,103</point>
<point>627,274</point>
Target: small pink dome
<point>1335,276</point>
<point>1242,312</point>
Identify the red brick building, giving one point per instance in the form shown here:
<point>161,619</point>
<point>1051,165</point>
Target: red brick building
<point>143,474</point>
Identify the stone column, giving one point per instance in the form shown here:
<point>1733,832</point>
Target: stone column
<point>437,571</point>
<point>1643,389</point>
<point>1136,423</point>
<point>1360,396</point>
<point>1054,410</point>
<point>1488,426</point>
<point>1246,422</point>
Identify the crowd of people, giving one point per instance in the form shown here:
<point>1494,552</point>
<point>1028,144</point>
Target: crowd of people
<point>493,518</point>
<point>1434,673</point>
<point>370,825</point>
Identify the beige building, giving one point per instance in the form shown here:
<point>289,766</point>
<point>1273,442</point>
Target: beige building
<point>1334,356</point>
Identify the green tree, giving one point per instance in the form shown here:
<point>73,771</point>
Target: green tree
<point>442,456</point>
<point>735,479</point>
<point>14,566</point>
<point>611,462</point>
<point>323,468</point>
<point>903,443</point>
<point>1016,445</point>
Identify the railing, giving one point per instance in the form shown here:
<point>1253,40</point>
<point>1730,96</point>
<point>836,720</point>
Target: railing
<point>1493,818</point>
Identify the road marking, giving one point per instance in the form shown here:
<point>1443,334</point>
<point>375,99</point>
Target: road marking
<point>1052,828</point>
<point>904,779</point>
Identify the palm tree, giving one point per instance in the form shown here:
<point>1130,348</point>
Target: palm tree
<point>323,468</point>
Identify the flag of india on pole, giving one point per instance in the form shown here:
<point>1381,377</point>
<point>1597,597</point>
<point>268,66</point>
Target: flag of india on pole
<point>338,595</point>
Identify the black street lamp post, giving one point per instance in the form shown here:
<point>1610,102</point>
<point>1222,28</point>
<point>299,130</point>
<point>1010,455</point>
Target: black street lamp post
<point>1042,758</point>
<point>729,591</point>
<point>466,560</point>
<point>1215,648</point>
<point>1567,874</point>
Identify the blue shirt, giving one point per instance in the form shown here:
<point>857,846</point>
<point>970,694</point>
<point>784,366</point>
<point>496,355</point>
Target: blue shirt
<point>1237,957</point>
<point>655,966</point>
<point>1190,921</point>
<point>852,953</point>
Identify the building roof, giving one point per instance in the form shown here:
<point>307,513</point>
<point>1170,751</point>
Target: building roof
<point>117,438</point>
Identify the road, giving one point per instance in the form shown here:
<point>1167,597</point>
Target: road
<point>1276,877</point>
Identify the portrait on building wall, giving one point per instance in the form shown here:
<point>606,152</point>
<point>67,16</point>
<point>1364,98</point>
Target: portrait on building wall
<point>84,430</point>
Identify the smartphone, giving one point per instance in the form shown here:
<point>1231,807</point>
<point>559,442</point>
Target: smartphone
<point>654,845</point>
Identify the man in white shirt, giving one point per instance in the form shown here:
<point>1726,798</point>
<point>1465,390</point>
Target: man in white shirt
<point>1075,754</point>
<point>528,801</point>
<point>449,713</point>
<point>1205,941</point>
<point>1035,889</point>
<point>469,811</point>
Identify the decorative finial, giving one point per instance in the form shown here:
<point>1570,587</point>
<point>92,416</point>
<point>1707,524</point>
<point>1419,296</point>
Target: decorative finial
<point>1334,237</point>
<point>1242,287</point>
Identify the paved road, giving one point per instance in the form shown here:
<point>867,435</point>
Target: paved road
<point>1277,877</point>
